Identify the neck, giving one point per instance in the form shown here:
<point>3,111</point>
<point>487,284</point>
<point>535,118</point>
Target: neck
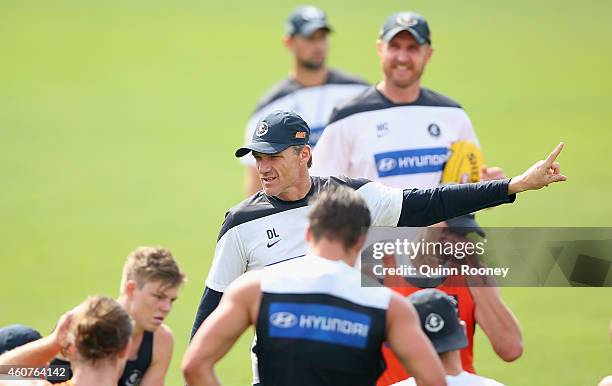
<point>452,362</point>
<point>308,77</point>
<point>400,94</point>
<point>105,374</point>
<point>333,250</point>
<point>298,190</point>
<point>137,329</point>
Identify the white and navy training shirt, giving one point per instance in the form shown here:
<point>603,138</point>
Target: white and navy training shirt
<point>399,145</point>
<point>313,104</point>
<point>318,326</point>
<point>262,230</point>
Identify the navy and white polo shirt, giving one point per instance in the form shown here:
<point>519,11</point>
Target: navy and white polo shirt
<point>313,104</point>
<point>318,326</point>
<point>263,230</point>
<point>399,145</point>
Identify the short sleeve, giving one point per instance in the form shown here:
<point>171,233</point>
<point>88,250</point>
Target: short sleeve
<point>229,261</point>
<point>385,203</point>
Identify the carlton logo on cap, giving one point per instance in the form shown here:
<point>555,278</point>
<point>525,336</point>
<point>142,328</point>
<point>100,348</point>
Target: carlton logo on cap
<point>262,129</point>
<point>434,322</point>
<point>406,20</point>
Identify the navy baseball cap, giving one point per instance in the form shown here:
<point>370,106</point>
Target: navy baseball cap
<point>439,317</point>
<point>405,21</point>
<point>306,20</point>
<point>16,335</point>
<point>276,132</point>
<point>465,224</point>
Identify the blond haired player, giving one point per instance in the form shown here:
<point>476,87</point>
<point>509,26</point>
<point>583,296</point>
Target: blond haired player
<point>149,286</point>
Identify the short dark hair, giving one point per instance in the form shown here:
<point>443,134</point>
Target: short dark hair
<point>298,149</point>
<point>339,213</point>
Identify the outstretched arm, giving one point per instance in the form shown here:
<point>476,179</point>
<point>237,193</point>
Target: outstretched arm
<point>430,206</point>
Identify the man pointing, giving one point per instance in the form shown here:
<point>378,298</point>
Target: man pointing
<point>267,228</point>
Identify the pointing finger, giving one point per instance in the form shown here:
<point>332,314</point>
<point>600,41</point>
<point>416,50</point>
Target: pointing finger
<point>553,156</point>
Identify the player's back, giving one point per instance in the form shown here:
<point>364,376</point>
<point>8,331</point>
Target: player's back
<point>318,326</point>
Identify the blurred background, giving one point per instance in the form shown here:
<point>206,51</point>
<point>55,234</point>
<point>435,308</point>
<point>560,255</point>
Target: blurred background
<point>119,119</point>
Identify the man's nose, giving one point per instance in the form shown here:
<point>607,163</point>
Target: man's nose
<point>166,305</point>
<point>403,57</point>
<point>263,165</point>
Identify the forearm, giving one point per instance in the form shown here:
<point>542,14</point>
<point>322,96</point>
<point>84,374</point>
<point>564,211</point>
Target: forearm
<point>430,206</point>
<point>39,352</point>
<point>517,185</point>
<point>498,322</point>
<point>209,302</point>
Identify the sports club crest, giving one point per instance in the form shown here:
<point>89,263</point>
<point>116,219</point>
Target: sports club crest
<point>262,129</point>
<point>406,20</point>
<point>434,322</point>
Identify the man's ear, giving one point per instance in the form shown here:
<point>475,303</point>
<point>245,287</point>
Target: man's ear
<point>308,234</point>
<point>287,42</point>
<point>429,53</point>
<point>379,48</point>
<point>306,153</point>
<point>130,287</point>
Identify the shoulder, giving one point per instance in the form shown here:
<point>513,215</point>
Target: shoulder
<point>400,308</point>
<point>279,90</point>
<point>245,284</point>
<point>434,99</point>
<point>367,100</point>
<point>324,183</point>
<point>163,338</point>
<point>340,77</point>
<point>245,292</point>
<point>163,345</point>
<point>254,207</point>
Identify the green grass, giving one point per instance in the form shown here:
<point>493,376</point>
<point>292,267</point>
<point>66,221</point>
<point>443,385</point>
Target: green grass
<point>118,122</point>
